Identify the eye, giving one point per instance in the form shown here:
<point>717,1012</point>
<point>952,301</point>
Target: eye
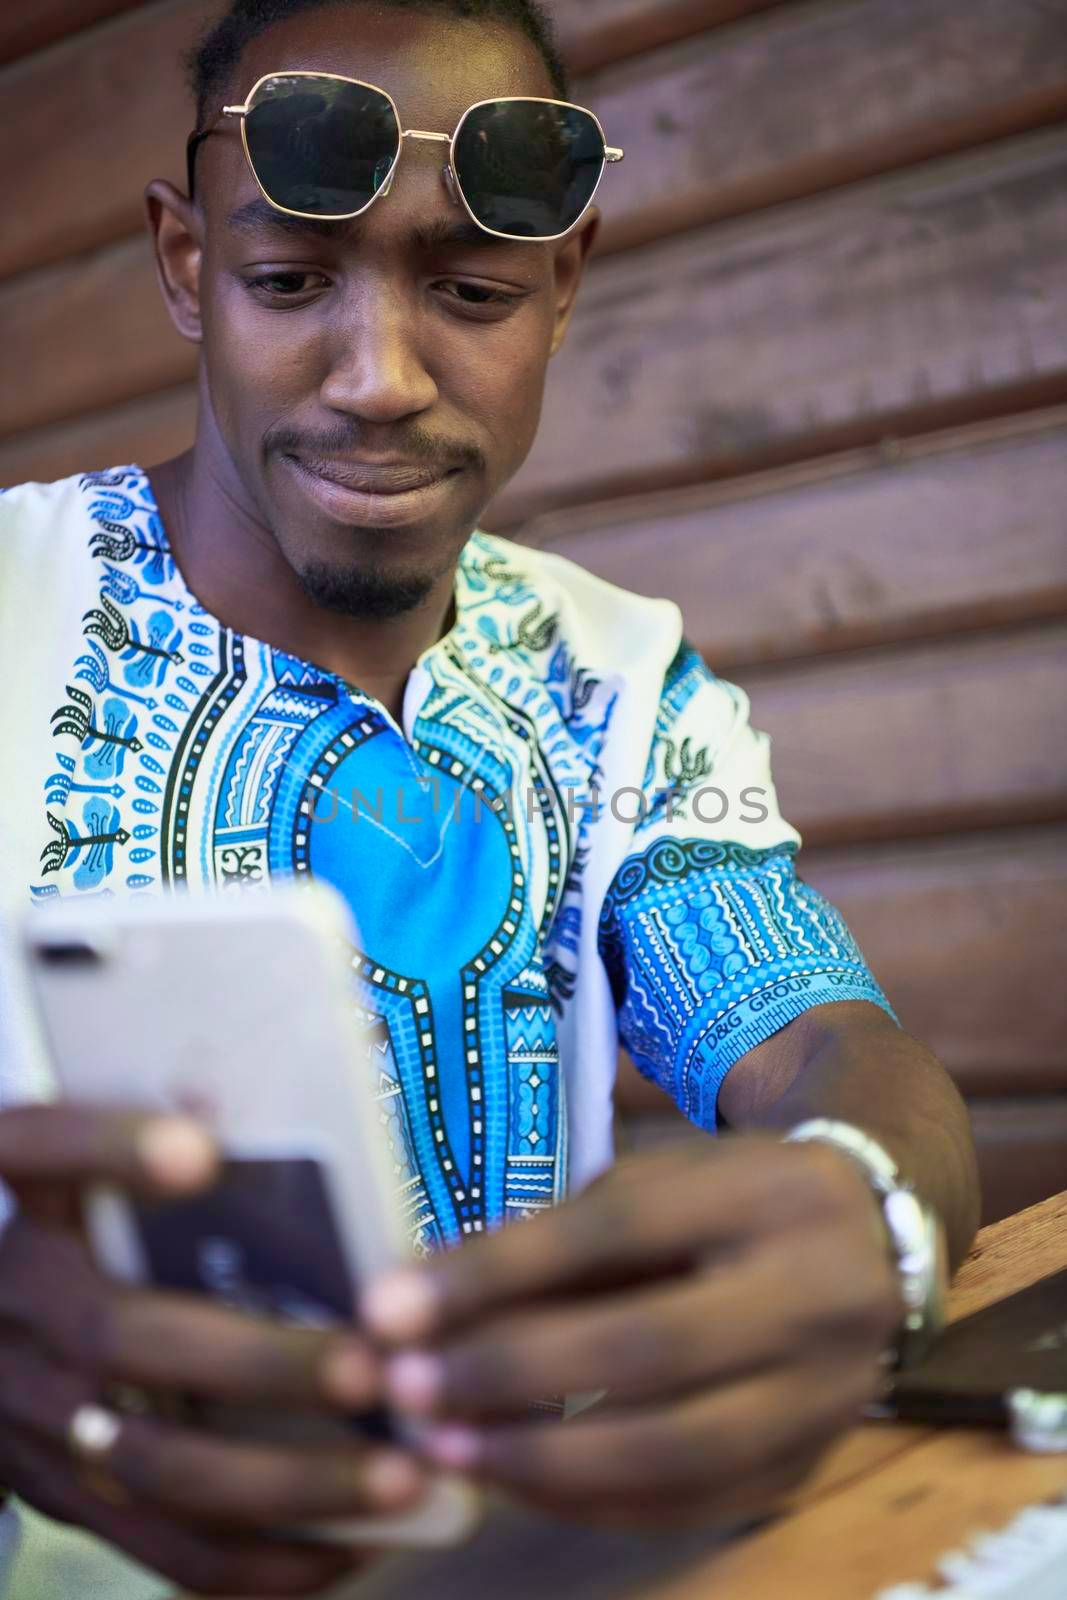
<point>478,296</point>
<point>275,287</point>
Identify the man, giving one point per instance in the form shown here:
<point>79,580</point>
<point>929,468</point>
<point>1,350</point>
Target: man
<point>213,671</point>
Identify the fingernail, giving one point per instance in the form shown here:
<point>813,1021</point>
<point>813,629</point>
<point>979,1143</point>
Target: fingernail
<point>460,1448</point>
<point>400,1305</point>
<point>391,1478</point>
<point>347,1375</point>
<point>414,1381</point>
<point>177,1152</point>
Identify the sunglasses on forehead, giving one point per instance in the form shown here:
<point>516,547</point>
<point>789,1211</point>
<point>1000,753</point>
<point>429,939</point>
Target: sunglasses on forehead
<point>327,147</point>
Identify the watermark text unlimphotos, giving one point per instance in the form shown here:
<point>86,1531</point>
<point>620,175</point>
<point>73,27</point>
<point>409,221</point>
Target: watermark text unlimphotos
<point>628,804</point>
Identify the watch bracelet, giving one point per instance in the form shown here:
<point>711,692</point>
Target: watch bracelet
<point>917,1270</point>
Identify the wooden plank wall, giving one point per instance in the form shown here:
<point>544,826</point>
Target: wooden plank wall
<point>816,392</point>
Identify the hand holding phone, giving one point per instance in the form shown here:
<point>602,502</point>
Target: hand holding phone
<point>198,1508</point>
<point>237,1010</point>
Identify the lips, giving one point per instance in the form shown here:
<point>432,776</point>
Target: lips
<point>381,495</point>
<point>373,478</point>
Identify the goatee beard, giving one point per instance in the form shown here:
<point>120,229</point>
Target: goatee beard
<point>371,593</point>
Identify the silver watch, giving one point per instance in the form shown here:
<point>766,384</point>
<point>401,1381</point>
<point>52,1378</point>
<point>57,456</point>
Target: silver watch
<point>915,1232</point>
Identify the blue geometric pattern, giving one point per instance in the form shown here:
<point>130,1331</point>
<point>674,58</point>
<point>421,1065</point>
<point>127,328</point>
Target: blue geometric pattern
<point>711,947</point>
<point>188,754</point>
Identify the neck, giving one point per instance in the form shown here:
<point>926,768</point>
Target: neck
<point>231,563</point>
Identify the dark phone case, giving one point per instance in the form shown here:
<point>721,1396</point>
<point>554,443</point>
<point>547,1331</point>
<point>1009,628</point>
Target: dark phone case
<point>263,1240</point>
<point>1019,1343</point>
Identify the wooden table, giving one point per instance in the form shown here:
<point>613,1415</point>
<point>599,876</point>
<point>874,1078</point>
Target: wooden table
<point>888,1500</point>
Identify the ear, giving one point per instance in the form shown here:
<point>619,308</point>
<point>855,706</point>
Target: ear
<point>177,229</point>
<point>570,260</point>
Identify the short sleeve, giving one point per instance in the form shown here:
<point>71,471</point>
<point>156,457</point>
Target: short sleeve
<point>711,940</point>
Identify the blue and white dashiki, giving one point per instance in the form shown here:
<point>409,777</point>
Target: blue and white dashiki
<point>526,858</point>
<point>573,838</point>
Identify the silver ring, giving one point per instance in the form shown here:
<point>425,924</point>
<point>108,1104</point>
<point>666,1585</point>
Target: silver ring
<point>92,1433</point>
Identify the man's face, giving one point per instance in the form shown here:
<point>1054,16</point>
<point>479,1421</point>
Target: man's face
<point>331,350</point>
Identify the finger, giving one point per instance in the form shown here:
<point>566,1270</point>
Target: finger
<point>233,1484</point>
<point>162,1340</point>
<point>735,1505</point>
<point>61,1205</point>
<point>639,1345</point>
<point>652,1343</point>
<point>201,1561</point>
<point>712,1441</point>
<point>213,1480</point>
<point>67,1143</point>
<point>705,1199</point>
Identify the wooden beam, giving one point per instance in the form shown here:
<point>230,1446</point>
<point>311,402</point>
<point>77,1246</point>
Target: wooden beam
<point>967,937</point>
<point>1022,1152</point>
<point>928,296</point>
<point>590,32</point>
<point>141,431</point>
<point>953,531</point>
<point>919,740</point>
<point>26,28</point>
<point>97,117</point>
<point>597,33</point>
<point>817,97</point>
<point>87,335</point>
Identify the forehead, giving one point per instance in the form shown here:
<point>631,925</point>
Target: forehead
<point>434,65</point>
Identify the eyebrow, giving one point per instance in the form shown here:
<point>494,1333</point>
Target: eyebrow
<point>257,216</point>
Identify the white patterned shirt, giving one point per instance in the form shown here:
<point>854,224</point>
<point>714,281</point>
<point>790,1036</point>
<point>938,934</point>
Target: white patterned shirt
<point>572,839</point>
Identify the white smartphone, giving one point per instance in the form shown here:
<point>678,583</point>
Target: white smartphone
<point>236,1008</point>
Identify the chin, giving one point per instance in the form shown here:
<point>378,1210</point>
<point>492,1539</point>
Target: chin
<point>373,591</point>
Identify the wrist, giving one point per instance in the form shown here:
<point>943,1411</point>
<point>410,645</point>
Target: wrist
<point>914,1233</point>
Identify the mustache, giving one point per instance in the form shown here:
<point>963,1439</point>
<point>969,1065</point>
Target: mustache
<point>413,444</point>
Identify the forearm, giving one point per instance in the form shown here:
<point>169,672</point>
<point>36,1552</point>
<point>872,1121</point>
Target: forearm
<point>858,1066</point>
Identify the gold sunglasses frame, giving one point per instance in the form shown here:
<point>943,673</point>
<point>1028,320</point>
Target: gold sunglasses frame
<point>455,187</point>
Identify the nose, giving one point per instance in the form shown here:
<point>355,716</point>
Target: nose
<point>377,371</point>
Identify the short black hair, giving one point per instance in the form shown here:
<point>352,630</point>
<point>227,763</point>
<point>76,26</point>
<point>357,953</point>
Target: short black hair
<point>212,63</point>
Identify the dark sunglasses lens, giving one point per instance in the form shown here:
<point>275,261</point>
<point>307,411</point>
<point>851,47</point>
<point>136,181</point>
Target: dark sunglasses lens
<point>529,168</point>
<point>321,145</point>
